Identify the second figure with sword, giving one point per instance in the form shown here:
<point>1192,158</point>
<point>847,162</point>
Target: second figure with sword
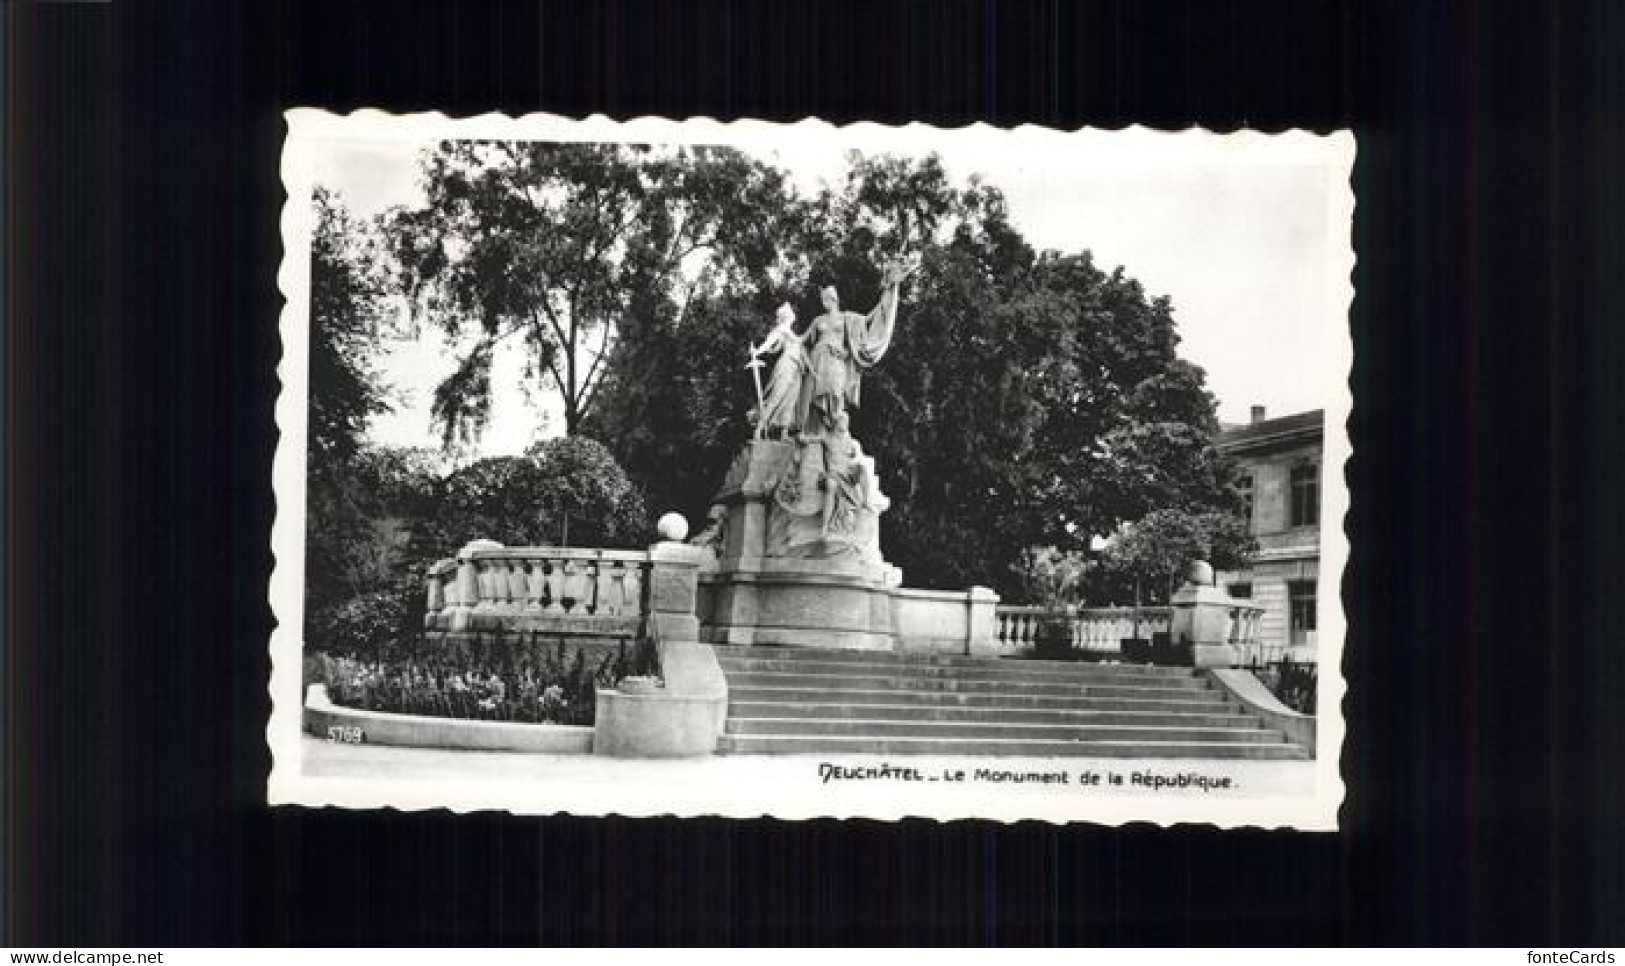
<point>776,408</point>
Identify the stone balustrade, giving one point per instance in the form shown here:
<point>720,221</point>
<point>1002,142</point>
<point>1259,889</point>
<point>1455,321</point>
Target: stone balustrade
<point>1094,629</point>
<point>491,585</point>
<point>1246,620</point>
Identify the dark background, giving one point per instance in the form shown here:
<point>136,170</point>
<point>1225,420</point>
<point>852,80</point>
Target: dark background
<point>1485,758</point>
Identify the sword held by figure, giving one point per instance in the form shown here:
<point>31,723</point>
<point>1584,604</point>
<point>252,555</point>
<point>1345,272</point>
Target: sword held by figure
<point>755,366</point>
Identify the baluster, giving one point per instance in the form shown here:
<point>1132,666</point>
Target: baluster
<point>487,594</point>
<point>517,585</point>
<point>612,600</point>
<point>435,596</point>
<point>494,588</point>
<point>598,584</point>
<point>572,586</point>
<point>632,600</point>
<point>535,585</point>
<point>555,587</point>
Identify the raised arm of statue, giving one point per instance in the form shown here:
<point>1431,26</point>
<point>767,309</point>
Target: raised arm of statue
<point>870,335</point>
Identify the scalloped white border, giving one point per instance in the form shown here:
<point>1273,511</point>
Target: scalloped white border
<point>654,790</point>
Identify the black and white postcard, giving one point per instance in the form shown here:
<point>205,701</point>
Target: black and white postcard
<point>685,468</point>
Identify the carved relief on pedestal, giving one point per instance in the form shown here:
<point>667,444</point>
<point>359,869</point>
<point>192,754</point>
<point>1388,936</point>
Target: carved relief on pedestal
<point>827,502</point>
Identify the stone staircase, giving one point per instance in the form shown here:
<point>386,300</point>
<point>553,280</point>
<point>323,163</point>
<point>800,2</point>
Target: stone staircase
<point>815,701</point>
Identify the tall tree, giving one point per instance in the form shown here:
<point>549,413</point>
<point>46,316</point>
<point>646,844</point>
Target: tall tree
<point>348,311</point>
<point>561,248</point>
<point>1133,432</point>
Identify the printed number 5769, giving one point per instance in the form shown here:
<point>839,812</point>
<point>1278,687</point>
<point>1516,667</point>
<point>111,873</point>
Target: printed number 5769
<point>349,734</point>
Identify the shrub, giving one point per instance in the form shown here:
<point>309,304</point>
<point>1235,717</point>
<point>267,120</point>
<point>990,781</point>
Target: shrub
<point>561,492</point>
<point>496,677</point>
<point>1293,684</point>
<point>373,625</point>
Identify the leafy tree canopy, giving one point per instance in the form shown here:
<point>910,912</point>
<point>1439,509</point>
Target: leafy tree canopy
<point>563,247</point>
<point>1156,549</point>
<point>567,491</point>
<point>348,311</point>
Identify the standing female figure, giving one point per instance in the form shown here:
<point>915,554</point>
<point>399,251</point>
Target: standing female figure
<point>778,413</point>
<point>842,345</point>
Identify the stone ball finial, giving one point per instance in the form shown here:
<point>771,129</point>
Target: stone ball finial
<point>672,527</point>
<point>1199,572</point>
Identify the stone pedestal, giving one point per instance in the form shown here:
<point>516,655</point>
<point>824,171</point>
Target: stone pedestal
<point>685,717</point>
<point>781,577</point>
<point>1201,618</point>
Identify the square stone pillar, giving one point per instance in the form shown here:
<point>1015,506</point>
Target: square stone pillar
<point>1201,618</point>
<point>983,627</point>
<point>673,588</point>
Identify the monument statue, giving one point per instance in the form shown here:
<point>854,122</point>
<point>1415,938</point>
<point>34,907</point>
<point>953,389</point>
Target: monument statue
<point>795,526</point>
<point>776,411</point>
<point>839,346</point>
<point>846,481</point>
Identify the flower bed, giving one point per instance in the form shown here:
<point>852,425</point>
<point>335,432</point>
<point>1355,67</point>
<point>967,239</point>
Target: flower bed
<point>488,677</point>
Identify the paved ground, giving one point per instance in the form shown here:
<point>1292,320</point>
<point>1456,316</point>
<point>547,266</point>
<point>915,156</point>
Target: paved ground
<point>796,786</point>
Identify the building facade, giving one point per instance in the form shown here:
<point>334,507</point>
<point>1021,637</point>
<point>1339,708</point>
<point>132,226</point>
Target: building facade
<point>1282,465</point>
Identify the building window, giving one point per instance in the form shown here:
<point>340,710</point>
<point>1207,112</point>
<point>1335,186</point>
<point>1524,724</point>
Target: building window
<point>1301,594</point>
<point>1243,591</point>
<point>1306,495</point>
<point>1244,486</point>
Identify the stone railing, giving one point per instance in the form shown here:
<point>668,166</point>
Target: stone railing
<point>490,585</point>
<point>1245,622</point>
<point>1094,629</point>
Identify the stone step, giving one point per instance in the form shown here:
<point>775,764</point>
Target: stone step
<point>745,710</point>
<point>888,728</point>
<point>991,671</point>
<point>985,747</point>
<point>827,655</point>
<point>1197,701</point>
<point>964,685</point>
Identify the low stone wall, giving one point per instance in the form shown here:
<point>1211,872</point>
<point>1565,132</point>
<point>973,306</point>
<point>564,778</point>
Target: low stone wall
<point>685,717</point>
<point>945,621</point>
<point>324,719</point>
<point>1241,685</point>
